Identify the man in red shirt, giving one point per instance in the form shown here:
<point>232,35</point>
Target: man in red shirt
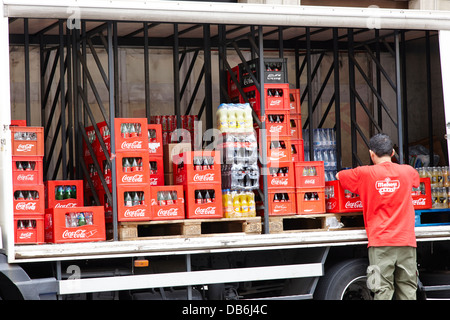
<point>385,191</point>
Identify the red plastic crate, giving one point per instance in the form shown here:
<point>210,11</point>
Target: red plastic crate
<point>18,123</point>
<point>203,209</point>
<point>310,200</point>
<point>294,99</point>
<point>279,205</point>
<point>27,170</point>
<point>274,102</point>
<point>340,200</point>
<point>156,170</point>
<point>297,150</point>
<point>309,174</point>
<point>32,202</point>
<point>106,137</point>
<point>296,127</point>
<point>62,225</point>
<point>155,143</point>
<point>193,173</point>
<point>420,200</point>
<point>29,229</point>
<point>132,167</point>
<point>27,141</point>
<point>275,71</point>
<point>232,87</point>
<point>136,141</point>
<point>276,178</point>
<point>51,188</point>
<point>277,123</point>
<point>278,149</point>
<point>137,212</point>
<point>164,209</point>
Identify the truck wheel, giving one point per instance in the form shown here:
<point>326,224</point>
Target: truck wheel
<point>345,280</point>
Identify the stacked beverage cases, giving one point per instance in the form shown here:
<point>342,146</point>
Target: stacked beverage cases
<point>28,184</point>
<point>239,154</point>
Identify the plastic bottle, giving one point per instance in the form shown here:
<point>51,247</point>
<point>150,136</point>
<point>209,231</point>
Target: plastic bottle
<point>222,117</point>
<point>251,204</point>
<point>244,204</point>
<point>240,118</point>
<point>248,118</point>
<point>232,120</point>
<point>227,203</point>
<point>236,206</point>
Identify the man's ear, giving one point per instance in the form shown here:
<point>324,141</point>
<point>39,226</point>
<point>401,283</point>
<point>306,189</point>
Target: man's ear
<point>393,153</point>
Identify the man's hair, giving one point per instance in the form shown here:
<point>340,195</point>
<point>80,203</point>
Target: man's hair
<point>381,145</point>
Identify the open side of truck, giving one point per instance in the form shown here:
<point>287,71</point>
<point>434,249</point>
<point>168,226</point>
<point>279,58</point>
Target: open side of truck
<point>295,264</point>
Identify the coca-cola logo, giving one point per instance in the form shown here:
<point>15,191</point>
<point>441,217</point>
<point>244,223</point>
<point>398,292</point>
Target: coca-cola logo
<point>275,102</point>
<point>154,181</point>
<point>78,234</point>
<point>26,206</point>
<point>280,208</point>
<point>247,81</point>
<point>134,213</point>
<point>203,177</point>
<point>132,145</point>
<point>277,154</point>
<point>309,181</point>
<point>25,235</point>
<point>331,205</point>
<point>419,202</point>
<point>167,212</point>
<point>279,181</point>
<point>25,177</point>
<point>66,205</point>
<point>205,211</point>
<point>136,178</point>
<point>353,204</point>
<point>274,76</point>
<point>276,129</point>
<point>25,147</point>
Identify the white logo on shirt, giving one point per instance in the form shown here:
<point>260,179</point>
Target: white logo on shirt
<point>387,186</point>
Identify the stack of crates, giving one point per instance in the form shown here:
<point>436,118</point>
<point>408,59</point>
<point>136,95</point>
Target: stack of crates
<point>296,125</point>
<point>28,183</point>
<point>199,172</point>
<point>310,187</point>
<point>155,155</point>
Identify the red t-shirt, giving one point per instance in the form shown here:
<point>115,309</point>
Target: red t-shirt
<point>385,191</point>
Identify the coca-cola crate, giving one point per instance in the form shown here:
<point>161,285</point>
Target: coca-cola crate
<point>297,150</point>
<point>277,123</point>
<point>136,207</point>
<point>29,229</point>
<point>64,193</point>
<point>276,97</point>
<point>275,71</point>
<point>339,200</point>
<point>80,224</point>
<point>421,196</point>
<point>28,199</point>
<point>278,149</point>
<point>310,200</point>
<point>232,87</point>
<point>294,98</point>
<point>282,202</point>
<point>132,167</point>
<point>131,134</point>
<point>155,145</point>
<point>27,141</point>
<point>296,127</point>
<point>309,174</point>
<point>203,208</point>
<point>167,203</point>
<point>105,133</point>
<point>94,175</point>
<point>197,167</point>
<point>27,170</point>
<point>281,176</point>
<point>156,170</point>
<point>18,123</point>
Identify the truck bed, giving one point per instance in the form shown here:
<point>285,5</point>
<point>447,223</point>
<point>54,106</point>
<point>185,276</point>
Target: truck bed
<point>204,244</point>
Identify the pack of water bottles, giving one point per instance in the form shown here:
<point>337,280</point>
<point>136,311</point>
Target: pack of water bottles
<point>324,148</point>
<point>240,161</point>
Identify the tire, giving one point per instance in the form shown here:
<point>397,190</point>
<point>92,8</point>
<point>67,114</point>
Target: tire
<point>345,280</point>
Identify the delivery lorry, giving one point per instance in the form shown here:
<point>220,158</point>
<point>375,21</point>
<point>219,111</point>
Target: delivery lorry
<point>396,57</point>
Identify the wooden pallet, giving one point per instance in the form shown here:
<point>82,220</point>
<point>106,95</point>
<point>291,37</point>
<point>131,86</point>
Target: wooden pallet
<point>316,222</point>
<point>188,228</point>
